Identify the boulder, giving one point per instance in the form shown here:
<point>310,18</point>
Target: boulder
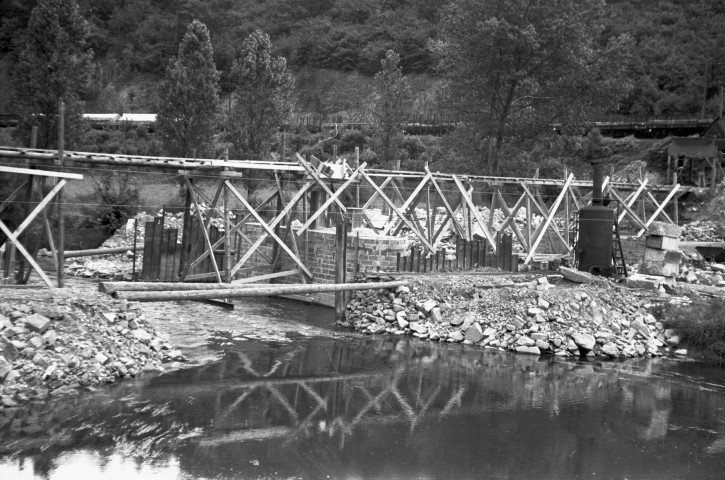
<point>5,368</point>
<point>455,336</point>
<point>584,341</point>
<point>436,315</point>
<point>37,323</point>
<point>610,349</point>
<point>474,333</point>
<point>529,350</point>
<point>639,326</point>
<point>525,342</point>
<point>8,350</point>
<point>542,345</point>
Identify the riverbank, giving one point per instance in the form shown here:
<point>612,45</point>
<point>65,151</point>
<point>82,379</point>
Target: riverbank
<point>61,343</point>
<point>533,314</point>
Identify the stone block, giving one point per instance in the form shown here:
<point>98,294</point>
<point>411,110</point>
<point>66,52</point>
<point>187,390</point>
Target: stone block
<point>37,323</point>
<point>644,281</point>
<point>663,229</point>
<point>662,243</point>
<point>575,275</point>
<point>669,256</point>
<point>529,350</point>
<point>474,333</point>
<point>584,341</point>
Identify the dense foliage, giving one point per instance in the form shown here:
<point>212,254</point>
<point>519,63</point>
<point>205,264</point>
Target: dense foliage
<point>516,67</point>
<point>54,64</point>
<point>189,97</point>
<point>262,97</point>
<point>678,56</point>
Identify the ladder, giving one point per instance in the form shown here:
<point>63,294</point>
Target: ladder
<point>618,263</point>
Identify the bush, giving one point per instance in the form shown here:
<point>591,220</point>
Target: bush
<point>700,325</point>
<point>119,199</point>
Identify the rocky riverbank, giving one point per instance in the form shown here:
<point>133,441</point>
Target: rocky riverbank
<point>534,314</point>
<point>62,344</point>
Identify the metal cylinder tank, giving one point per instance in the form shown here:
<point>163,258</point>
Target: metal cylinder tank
<point>594,247</point>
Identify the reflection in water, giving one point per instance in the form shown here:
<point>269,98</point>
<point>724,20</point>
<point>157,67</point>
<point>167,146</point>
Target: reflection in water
<point>388,408</point>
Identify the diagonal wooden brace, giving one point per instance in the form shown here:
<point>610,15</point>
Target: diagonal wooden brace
<point>311,171</point>
<point>270,228</point>
<point>333,198</point>
<point>14,240</point>
<point>451,212</point>
<point>476,213</point>
<point>204,227</point>
<point>660,209</point>
<point>542,229</point>
<point>400,214</point>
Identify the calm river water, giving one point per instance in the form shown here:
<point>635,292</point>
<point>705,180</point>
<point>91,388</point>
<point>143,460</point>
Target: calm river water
<point>354,407</point>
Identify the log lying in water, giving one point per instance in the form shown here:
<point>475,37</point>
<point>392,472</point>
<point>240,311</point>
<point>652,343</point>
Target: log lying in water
<point>266,291</point>
<point>100,251</point>
<point>113,287</point>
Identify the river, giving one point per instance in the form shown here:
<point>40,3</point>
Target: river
<point>274,390</point>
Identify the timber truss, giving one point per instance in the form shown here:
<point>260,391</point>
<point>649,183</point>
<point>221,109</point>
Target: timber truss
<point>426,206</point>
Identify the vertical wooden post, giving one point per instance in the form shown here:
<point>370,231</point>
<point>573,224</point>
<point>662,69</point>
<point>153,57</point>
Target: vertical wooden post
<point>61,221</point>
<point>642,212</point>
<point>284,146</point>
<point>185,235</point>
<point>676,217</point>
<point>340,267</point>
<point>355,166</point>
<point>227,232</point>
<point>567,230</point>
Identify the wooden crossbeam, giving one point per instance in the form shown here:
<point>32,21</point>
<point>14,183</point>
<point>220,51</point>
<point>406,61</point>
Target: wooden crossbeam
<point>375,194</point>
<point>289,224</point>
<point>508,213</point>
<point>549,218</point>
<point>476,213</point>
<point>267,276</point>
<point>269,228</point>
<point>311,171</point>
<point>204,231</point>
<point>660,208</point>
<point>397,211</point>
<point>333,198</point>
<point>236,228</point>
<point>545,213</point>
<point>14,240</point>
<point>41,173</point>
<point>446,205</point>
<point>627,209</point>
<point>412,200</point>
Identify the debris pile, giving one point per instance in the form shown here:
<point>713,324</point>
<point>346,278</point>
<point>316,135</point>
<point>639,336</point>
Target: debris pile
<point>702,231</point>
<point>530,316</point>
<point>59,348</point>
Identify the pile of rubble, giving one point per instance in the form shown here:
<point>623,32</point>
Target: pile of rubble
<point>71,344</point>
<point>530,316</point>
<point>702,231</point>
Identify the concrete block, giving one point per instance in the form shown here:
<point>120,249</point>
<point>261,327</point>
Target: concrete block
<point>665,269</point>
<point>663,243</point>
<point>665,256</point>
<point>663,229</point>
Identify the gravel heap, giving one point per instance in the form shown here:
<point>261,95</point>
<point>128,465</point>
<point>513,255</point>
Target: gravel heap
<point>60,347</point>
<point>532,316</point>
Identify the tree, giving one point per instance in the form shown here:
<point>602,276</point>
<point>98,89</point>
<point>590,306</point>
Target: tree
<point>189,97</point>
<point>515,67</point>
<point>262,97</point>
<point>54,64</point>
<point>390,98</point>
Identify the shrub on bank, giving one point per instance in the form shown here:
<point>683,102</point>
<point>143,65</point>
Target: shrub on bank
<point>700,325</point>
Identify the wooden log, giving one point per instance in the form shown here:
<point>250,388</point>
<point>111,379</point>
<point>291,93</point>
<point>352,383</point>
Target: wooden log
<point>99,251</point>
<point>266,291</point>
<point>113,287</point>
